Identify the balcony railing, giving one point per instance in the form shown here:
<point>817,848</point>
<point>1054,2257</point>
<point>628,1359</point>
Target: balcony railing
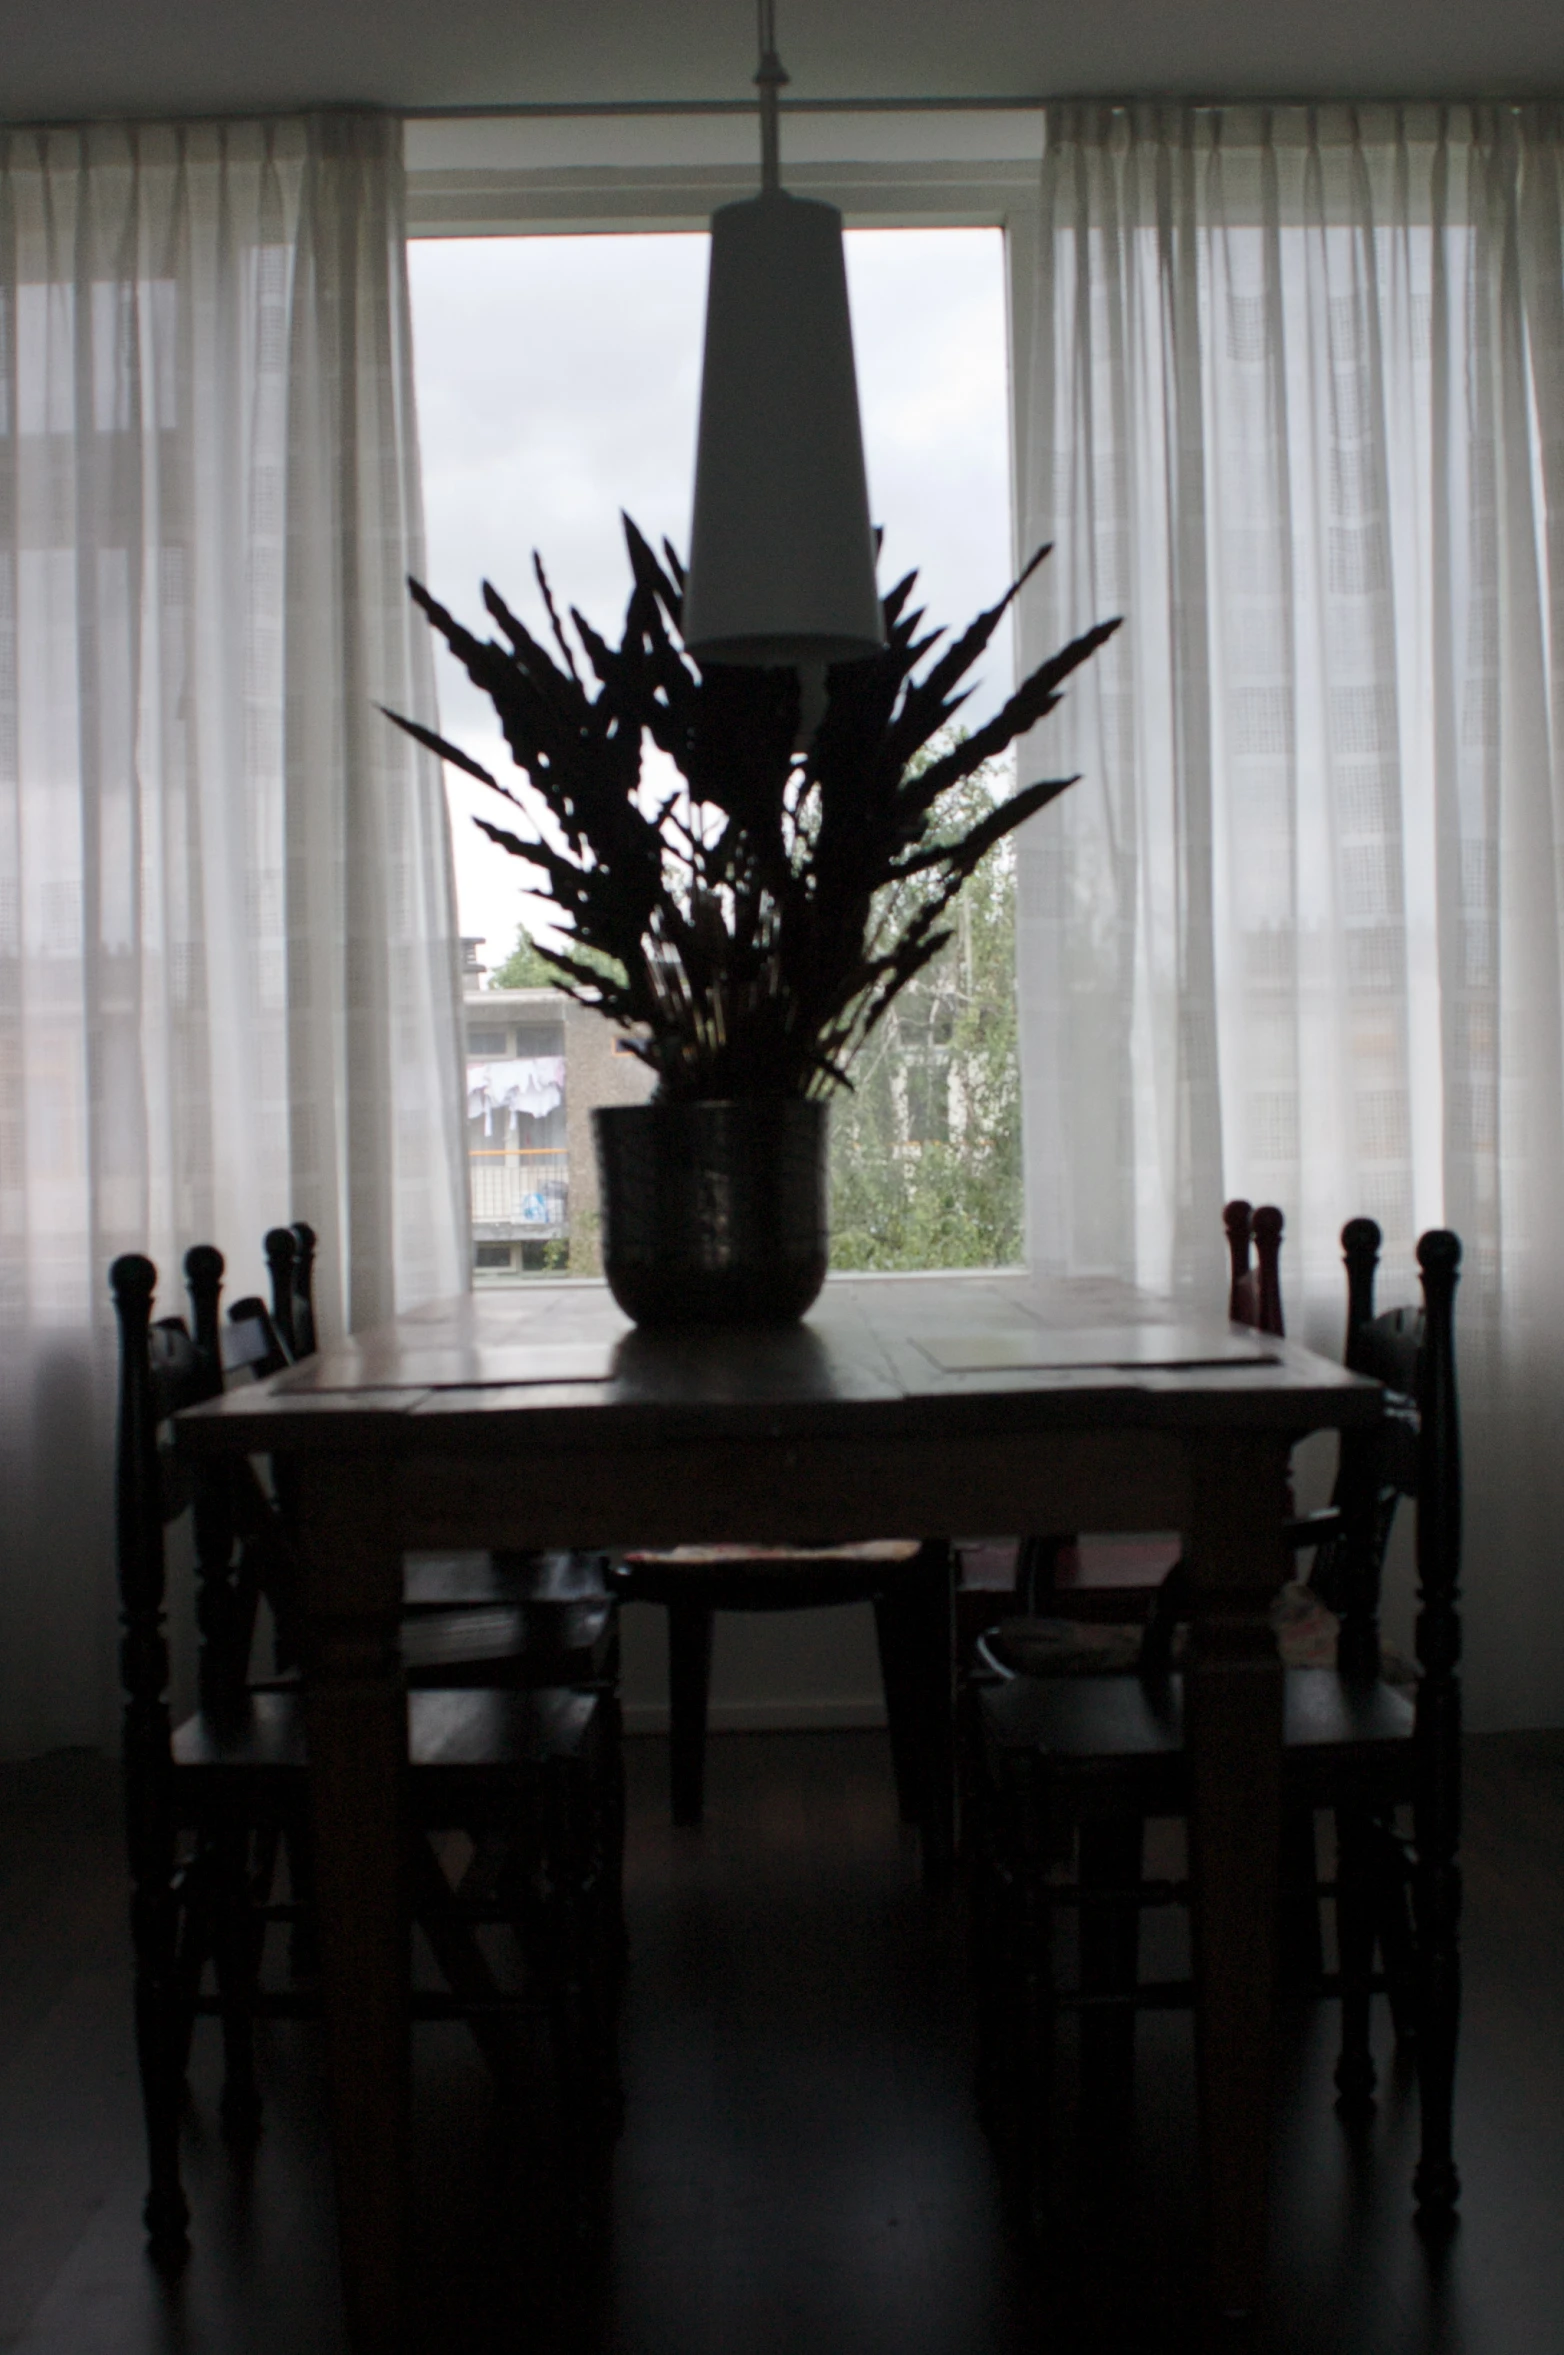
<point>522,1189</point>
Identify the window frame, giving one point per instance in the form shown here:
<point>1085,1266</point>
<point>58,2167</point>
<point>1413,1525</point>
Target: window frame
<point>548,175</point>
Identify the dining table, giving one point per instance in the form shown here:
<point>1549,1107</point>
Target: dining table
<point>534,1415</point>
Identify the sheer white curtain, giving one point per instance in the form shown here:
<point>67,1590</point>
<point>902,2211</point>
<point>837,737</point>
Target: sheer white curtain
<point>229,987</point>
<point>1293,403</point>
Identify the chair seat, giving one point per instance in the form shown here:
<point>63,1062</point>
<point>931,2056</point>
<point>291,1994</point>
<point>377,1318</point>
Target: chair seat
<point>475,1581</point>
<point>871,1549</point>
<point>1335,1725</point>
<point>1307,1633</point>
<point>766,1578</point>
<point>1063,1647</point>
<point>527,1644</point>
<point>451,1735</point>
<point>1125,1734</point>
<point>1306,1637</point>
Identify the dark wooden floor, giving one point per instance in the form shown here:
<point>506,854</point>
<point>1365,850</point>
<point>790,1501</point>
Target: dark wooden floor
<point>800,2170</point>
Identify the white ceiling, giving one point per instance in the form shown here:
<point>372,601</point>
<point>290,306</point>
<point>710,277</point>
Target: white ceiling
<point>64,58</point>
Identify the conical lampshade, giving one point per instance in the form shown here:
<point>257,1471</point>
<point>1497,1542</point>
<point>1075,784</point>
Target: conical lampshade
<point>781,553</point>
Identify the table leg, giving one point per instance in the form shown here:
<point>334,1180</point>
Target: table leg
<point>356,1727</point>
<point>1233,1722</point>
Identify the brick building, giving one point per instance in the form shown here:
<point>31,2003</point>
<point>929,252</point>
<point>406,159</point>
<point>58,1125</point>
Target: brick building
<point>537,1063</point>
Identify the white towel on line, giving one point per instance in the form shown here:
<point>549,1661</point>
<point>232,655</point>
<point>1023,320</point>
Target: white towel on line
<point>530,1084</point>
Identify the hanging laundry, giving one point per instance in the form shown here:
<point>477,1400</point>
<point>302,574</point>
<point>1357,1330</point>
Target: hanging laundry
<point>522,1084</point>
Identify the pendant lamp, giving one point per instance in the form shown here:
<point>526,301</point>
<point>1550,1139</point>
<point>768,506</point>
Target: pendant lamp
<point>781,552</point>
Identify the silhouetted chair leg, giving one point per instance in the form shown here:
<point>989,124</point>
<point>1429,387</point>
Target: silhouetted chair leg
<point>1039,2026</point>
<point>1110,1869</point>
<point>1393,1922</point>
<point>1437,2183</point>
<point>1355,1910</point>
<point>936,1585</point>
<point>614,1858</point>
<point>689,1690</point>
<point>303,1929</point>
<point>1302,1955</point>
<point>1036,1574</point>
<point>897,1627</point>
<point>461,1960</point>
<point>194,1952</point>
<point>236,1957</point>
<point>159,2058</point>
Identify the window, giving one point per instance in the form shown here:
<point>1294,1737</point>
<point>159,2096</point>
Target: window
<point>558,381</point>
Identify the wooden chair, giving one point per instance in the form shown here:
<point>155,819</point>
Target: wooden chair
<point>1085,1762</point>
<point>1130,1613</point>
<point>1079,1605</point>
<point>206,1801</point>
<point>517,1621</point>
<point>468,1619</point>
<point>1110,1582</point>
<point>909,1585</point>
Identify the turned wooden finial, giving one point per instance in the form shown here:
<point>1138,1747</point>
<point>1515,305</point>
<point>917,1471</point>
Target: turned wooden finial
<point>281,1251</point>
<point>1360,1241</point>
<point>304,1342</point>
<point>204,1283</point>
<point>1268,1224</point>
<point>133,1281</point>
<point>1241,1297</point>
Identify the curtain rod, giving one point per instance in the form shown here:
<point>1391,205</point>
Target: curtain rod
<point>577,108</point>
<point>724,106</point>
<point>581,109</point>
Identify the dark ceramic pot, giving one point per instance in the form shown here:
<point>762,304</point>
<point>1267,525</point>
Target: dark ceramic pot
<point>713,1214</point>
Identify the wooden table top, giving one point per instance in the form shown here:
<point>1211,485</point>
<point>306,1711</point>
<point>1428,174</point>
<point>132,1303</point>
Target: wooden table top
<point>556,1365</point>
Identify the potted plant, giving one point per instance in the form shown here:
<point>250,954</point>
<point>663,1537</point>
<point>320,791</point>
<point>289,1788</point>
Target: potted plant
<point>749,929</point>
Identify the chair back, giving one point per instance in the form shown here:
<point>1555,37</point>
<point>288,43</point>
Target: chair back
<point>162,1368</point>
<point>290,1259</point>
<point>1254,1293</point>
<point>1415,1448</point>
<point>165,1366</point>
<point>251,1341</point>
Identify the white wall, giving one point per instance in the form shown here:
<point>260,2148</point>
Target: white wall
<point>770,1669</point>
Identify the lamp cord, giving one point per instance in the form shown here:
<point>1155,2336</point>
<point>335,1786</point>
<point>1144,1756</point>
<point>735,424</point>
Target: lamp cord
<point>769,78</point>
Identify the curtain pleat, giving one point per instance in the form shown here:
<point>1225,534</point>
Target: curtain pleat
<point>229,988</point>
<point>1294,405</point>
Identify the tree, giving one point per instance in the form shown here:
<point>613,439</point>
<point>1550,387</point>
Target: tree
<point>926,1143</point>
<point>525,967</point>
<point>528,966</point>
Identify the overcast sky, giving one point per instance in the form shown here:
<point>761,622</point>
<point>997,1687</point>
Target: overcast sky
<point>558,380</point>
